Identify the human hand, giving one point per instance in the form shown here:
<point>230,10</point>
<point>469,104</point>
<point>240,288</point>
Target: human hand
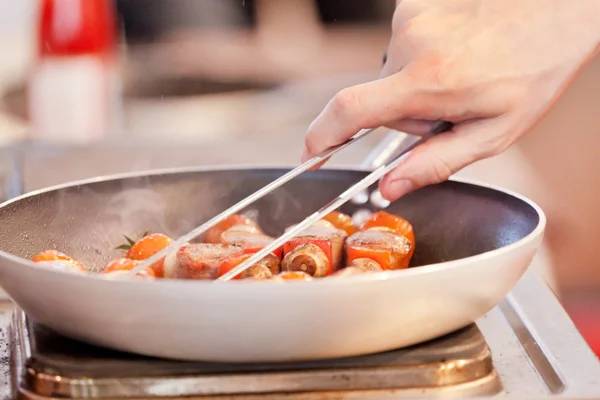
<point>491,67</point>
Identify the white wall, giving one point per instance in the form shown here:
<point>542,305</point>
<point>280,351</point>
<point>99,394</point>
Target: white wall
<point>16,16</point>
<point>17,30</point>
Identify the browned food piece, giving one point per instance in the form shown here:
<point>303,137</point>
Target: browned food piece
<point>251,241</point>
<point>365,264</point>
<point>266,267</point>
<point>272,262</point>
<point>308,258</point>
<point>358,267</point>
<point>292,276</point>
<point>318,250</point>
<point>349,271</point>
<point>235,222</point>
<point>257,272</point>
<point>199,260</point>
<point>390,250</point>
<point>395,223</point>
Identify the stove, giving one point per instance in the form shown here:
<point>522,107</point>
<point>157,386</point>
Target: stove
<point>527,346</point>
<point>57,367</point>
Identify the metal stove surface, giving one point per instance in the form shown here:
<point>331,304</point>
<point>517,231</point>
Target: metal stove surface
<point>527,347</point>
<point>57,367</point>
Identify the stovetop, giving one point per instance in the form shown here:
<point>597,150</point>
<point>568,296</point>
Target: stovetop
<point>58,367</point>
<point>526,346</point>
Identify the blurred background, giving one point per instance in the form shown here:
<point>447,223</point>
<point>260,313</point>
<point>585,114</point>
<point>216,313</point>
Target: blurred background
<point>94,87</point>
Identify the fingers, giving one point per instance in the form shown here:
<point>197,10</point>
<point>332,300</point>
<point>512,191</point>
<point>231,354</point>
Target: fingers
<point>407,10</point>
<point>415,127</point>
<point>440,157</point>
<point>364,106</point>
<point>432,162</point>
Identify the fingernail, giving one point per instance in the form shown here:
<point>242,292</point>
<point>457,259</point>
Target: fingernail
<point>401,187</point>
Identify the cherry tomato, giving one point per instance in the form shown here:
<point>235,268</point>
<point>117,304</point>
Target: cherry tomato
<point>53,255</point>
<point>341,221</point>
<point>127,264</point>
<point>148,246</point>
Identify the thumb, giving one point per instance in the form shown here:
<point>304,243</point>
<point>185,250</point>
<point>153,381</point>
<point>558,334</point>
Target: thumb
<point>440,157</point>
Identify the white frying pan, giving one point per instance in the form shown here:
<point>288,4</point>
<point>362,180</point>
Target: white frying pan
<point>473,243</point>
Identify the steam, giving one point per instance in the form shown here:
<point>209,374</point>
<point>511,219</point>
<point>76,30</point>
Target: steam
<point>131,206</point>
<point>89,223</point>
<point>91,220</point>
<point>285,203</point>
<point>252,214</point>
<point>278,206</point>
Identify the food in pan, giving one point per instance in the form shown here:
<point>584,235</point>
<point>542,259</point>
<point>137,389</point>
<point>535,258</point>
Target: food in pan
<point>391,223</point>
<point>235,223</point>
<point>124,264</point>
<point>341,221</point>
<point>308,258</point>
<point>359,266</point>
<point>330,248</point>
<point>264,269</point>
<point>251,242</point>
<point>389,249</point>
<point>385,238</point>
<point>198,260</point>
<point>56,259</point>
<point>146,247</point>
<point>349,271</point>
<point>292,276</point>
<point>317,251</point>
<point>241,231</point>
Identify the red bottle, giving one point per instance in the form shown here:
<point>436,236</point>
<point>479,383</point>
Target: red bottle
<point>72,87</point>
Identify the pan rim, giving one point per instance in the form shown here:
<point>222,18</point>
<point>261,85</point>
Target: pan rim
<point>349,280</point>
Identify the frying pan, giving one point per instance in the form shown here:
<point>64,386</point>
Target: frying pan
<point>473,243</point>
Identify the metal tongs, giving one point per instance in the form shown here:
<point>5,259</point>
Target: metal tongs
<point>357,188</point>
